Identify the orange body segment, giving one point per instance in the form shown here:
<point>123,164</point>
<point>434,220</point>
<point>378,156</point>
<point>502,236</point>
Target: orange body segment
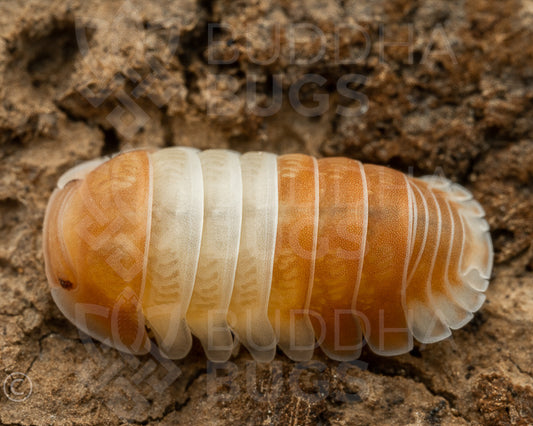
<point>379,299</point>
<point>340,246</point>
<point>294,255</point>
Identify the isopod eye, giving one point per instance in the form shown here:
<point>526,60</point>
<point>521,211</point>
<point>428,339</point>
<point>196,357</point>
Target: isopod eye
<point>66,284</point>
<point>94,245</point>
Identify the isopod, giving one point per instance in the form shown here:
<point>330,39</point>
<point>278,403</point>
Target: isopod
<point>265,250</point>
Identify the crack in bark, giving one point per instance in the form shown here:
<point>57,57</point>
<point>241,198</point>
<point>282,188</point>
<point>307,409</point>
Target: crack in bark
<point>414,374</point>
<point>175,406</point>
<point>518,367</point>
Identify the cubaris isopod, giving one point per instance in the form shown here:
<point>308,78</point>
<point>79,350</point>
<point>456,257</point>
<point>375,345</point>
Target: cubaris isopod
<point>262,249</point>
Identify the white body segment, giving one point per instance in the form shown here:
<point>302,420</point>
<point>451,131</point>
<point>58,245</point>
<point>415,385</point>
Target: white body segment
<point>176,233</point>
<point>248,315</point>
<point>208,309</point>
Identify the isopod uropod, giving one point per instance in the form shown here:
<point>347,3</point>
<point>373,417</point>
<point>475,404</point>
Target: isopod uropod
<point>262,249</point>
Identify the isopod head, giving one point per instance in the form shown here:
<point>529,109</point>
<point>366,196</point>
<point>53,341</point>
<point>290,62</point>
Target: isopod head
<point>95,237</point>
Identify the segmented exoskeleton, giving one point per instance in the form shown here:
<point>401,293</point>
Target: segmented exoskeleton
<point>264,249</point>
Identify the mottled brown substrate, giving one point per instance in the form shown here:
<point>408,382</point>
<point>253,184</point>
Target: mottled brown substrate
<point>69,69</point>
